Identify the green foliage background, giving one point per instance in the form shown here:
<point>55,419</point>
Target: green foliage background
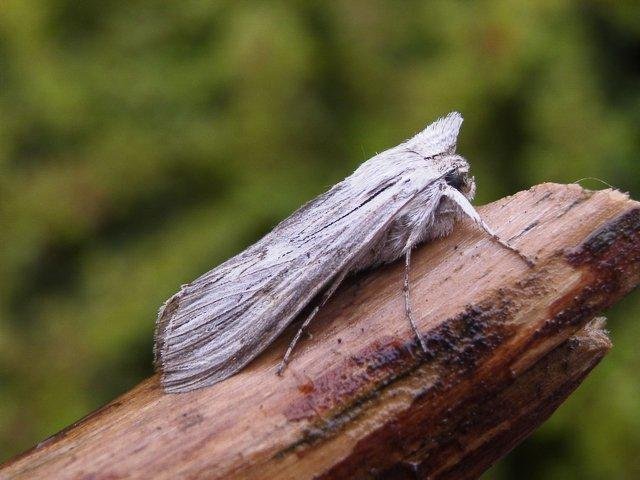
<point>143,142</point>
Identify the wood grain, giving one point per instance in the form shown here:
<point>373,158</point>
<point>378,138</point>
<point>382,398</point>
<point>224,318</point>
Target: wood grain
<point>507,343</point>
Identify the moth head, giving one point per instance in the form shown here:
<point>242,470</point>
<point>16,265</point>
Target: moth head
<point>459,177</point>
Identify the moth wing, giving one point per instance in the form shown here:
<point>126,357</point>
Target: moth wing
<point>215,325</point>
<point>218,323</point>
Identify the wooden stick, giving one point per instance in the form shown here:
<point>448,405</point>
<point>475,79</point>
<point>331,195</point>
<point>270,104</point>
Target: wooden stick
<point>506,344</point>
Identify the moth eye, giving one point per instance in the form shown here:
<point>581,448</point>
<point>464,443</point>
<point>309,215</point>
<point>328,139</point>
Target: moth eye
<point>455,179</point>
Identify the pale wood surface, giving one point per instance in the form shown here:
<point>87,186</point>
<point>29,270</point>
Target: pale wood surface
<point>507,344</point>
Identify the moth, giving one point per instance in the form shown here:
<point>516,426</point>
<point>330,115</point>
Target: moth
<point>404,196</point>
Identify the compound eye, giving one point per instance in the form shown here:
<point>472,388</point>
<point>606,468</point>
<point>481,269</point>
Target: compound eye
<point>455,179</point>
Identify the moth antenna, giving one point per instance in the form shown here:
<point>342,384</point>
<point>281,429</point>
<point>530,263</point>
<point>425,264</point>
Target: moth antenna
<point>597,180</point>
<point>325,298</point>
<point>407,298</point>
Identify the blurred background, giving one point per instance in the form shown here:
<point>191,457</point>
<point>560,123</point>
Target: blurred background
<point>143,142</point>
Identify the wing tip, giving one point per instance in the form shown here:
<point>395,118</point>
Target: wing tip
<point>171,381</point>
<point>163,328</point>
<point>180,376</point>
<point>188,378</point>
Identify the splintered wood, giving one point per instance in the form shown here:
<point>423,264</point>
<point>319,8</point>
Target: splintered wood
<point>507,344</point>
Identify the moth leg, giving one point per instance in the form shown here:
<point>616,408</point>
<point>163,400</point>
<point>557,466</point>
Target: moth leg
<point>471,212</point>
<point>407,298</point>
<point>325,298</point>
